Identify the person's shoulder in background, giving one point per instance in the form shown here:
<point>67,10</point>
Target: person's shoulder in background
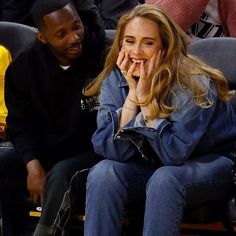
<point>5,60</point>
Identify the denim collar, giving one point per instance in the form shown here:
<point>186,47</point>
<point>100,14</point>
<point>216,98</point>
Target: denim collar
<point>122,81</point>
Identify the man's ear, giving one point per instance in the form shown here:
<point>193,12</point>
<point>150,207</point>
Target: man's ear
<point>41,37</point>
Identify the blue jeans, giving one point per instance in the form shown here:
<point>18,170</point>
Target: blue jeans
<point>167,190</point>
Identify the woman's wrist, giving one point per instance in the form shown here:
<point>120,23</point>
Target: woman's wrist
<point>130,102</point>
<point>130,108</point>
<point>132,96</point>
<point>141,97</point>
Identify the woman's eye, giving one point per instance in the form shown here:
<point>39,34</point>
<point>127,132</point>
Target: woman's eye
<point>149,43</point>
<point>129,41</point>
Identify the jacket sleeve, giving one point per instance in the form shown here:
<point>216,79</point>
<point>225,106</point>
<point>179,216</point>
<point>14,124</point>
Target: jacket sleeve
<point>104,142</point>
<point>175,138</point>
<point>17,97</point>
<point>184,12</point>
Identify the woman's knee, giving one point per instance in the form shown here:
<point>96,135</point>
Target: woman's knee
<point>166,177</point>
<point>101,172</point>
<point>104,175</point>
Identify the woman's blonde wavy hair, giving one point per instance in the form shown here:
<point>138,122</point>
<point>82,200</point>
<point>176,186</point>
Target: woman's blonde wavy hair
<point>176,64</point>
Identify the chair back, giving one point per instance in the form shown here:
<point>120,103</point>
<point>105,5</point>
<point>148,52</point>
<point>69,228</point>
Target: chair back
<point>110,34</point>
<point>220,53</point>
<point>15,37</point>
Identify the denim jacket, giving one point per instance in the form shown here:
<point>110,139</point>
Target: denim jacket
<point>190,129</point>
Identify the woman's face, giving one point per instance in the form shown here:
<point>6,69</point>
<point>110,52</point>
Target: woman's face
<point>141,41</point>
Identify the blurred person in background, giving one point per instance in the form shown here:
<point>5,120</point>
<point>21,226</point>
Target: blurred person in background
<point>202,18</point>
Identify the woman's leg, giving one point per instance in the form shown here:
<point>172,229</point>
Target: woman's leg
<point>171,188</point>
<point>110,186</point>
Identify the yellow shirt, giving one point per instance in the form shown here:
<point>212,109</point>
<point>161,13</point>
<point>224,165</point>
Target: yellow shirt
<point>5,59</point>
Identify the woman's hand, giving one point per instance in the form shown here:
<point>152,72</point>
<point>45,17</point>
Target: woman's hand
<point>139,89</point>
<point>127,70</point>
<point>130,109</point>
<point>146,75</point>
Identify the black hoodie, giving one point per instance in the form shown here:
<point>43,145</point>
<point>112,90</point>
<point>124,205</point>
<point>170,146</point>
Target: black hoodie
<point>48,117</point>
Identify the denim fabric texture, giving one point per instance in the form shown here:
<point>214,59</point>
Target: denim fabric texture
<point>183,162</point>
<point>168,190</point>
<point>190,130</point>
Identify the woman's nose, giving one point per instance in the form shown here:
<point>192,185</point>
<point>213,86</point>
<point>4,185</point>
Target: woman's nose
<point>137,49</point>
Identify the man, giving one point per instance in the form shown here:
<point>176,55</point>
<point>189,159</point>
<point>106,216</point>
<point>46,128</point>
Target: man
<point>50,122</point>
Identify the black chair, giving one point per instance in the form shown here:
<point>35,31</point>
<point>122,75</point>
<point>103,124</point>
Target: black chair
<point>220,53</point>
<point>110,34</point>
<point>15,36</point>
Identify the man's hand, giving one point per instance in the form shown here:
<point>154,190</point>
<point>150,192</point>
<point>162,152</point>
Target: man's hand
<point>36,180</point>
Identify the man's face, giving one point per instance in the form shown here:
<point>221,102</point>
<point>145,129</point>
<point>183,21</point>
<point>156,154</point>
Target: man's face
<point>64,33</point>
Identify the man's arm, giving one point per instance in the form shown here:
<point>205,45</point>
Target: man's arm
<point>110,11</point>
<point>22,132</point>
<point>89,5</point>
<point>36,180</point>
<point>21,128</point>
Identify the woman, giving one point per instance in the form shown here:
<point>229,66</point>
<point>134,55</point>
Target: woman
<point>163,125</point>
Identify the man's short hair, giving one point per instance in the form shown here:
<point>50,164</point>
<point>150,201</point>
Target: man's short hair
<point>44,7</point>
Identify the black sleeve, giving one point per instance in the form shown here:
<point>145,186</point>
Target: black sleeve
<point>94,39</point>
<point>88,5</point>
<point>111,11</point>
<point>21,128</point>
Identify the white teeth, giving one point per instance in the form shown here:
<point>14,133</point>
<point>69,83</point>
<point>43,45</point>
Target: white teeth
<point>137,61</point>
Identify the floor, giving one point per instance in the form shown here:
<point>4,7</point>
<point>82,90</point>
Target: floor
<point>215,229</point>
